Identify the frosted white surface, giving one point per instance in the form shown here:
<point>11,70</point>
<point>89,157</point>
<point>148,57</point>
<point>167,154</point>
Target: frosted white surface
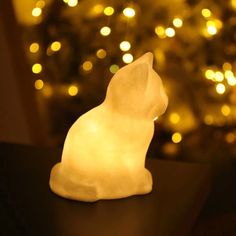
<point>105,149</point>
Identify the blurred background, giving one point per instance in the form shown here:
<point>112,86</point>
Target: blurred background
<point>58,56</point>
<point>68,50</point>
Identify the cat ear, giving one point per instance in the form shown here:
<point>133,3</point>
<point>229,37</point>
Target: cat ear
<point>138,75</point>
<point>146,58</point>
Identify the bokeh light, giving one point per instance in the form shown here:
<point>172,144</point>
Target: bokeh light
<point>34,47</point>
<point>105,31</point>
<point>176,137</point>
<point>101,53</point>
<point>38,84</point>
<point>73,90</point>
<point>108,11</point>
<point>125,46</point>
<point>129,12</point>
<point>36,68</point>
<point>127,58</point>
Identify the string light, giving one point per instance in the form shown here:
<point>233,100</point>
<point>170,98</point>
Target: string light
<point>34,47</point>
<point>97,9</point>
<point>127,58</point>
<point>36,68</point>
<point>129,12</point>
<point>206,12</point>
<point>174,118</point>
<point>218,23</point>
<point>230,137</point>
<point>55,46</point>
<point>73,90</point>
<point>177,22</point>
<point>170,148</point>
<point>225,110</point>
<point>101,53</point>
<point>160,31</point>
<point>233,3</point>
<point>87,66</point>
<point>227,66</point>
<point>114,68</point>
<point>36,12</point>
<point>38,84</point>
<point>208,119</point>
<point>176,137</point>
<point>219,76</point>
<point>211,27</point>
<point>108,11</point>
<point>72,3</point>
<point>210,74</point>
<point>105,31</point>
<point>170,32</point>
<point>40,4</point>
<point>229,74</point>
<point>220,88</point>
<point>47,90</point>
<point>125,46</point>
<point>231,81</point>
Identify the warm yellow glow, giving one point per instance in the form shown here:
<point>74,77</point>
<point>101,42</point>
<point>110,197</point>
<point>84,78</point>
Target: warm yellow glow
<point>218,23</point>
<point>55,46</point>
<point>66,1</point>
<point>170,148</point>
<point>220,88</point>
<point>105,31</point>
<point>229,74</point>
<point>101,53</point>
<point>210,74</point>
<point>160,31</point>
<point>211,30</point>
<point>206,12</point>
<point>233,3</point>
<point>230,137</point>
<point>208,119</point>
<point>36,12</point>
<point>174,118</point>
<point>125,46</point>
<point>97,9</point>
<point>177,22</point>
<point>47,90</point>
<point>73,90</point>
<point>170,32</point>
<point>176,137</point>
<point>36,68</point>
<point>156,118</point>
<point>38,84</point>
<point>40,4</point>
<point>227,66</point>
<point>127,58</point>
<point>114,68</point>
<point>225,110</point>
<point>219,76</point>
<point>108,11</point>
<point>129,12</point>
<point>34,47</point>
<point>87,65</point>
<point>97,160</point>
<point>213,26</point>
<point>72,3</point>
<point>231,80</point>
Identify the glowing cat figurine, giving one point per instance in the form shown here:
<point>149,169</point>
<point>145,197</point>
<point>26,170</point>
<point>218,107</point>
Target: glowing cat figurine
<point>105,149</point>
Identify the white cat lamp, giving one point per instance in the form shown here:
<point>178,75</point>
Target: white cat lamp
<point>105,149</point>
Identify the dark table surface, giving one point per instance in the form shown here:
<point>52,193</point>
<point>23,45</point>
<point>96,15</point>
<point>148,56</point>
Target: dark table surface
<point>28,207</point>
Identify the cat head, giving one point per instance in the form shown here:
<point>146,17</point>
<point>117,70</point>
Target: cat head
<point>136,89</point>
